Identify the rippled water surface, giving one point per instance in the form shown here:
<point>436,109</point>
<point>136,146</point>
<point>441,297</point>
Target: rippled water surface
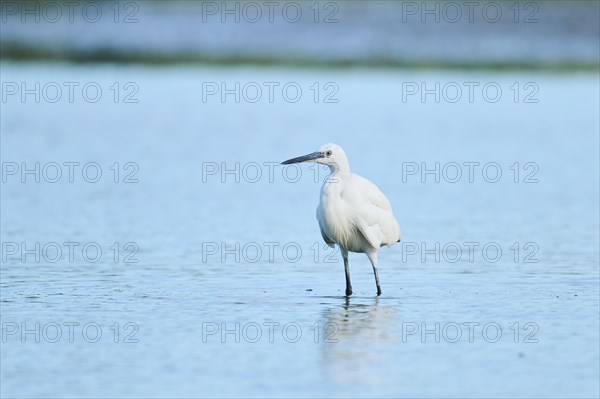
<point>213,280</point>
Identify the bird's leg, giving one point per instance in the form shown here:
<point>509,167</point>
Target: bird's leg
<point>373,258</point>
<point>347,269</point>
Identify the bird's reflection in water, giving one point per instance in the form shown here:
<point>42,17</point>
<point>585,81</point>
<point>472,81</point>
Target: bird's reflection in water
<point>362,336</point>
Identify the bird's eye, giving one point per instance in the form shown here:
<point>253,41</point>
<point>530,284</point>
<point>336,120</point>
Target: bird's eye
<point>328,154</point>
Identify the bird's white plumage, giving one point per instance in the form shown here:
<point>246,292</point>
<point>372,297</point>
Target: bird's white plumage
<point>352,211</point>
<point>355,214</point>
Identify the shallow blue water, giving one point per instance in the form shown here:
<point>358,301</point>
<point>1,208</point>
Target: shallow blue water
<point>220,285</point>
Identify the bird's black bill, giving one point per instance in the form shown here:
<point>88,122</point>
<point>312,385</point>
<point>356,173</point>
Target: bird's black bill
<point>304,158</point>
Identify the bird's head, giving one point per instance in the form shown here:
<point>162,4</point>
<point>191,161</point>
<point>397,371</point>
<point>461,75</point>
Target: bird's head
<point>330,154</point>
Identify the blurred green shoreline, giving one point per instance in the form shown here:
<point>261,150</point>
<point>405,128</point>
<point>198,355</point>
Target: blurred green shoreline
<point>20,53</point>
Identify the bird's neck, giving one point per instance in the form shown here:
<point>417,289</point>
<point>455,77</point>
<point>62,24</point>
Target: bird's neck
<point>339,171</point>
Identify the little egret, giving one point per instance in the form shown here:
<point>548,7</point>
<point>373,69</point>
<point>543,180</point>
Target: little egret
<point>352,213</point>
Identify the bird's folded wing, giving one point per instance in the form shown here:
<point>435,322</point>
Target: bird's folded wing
<point>371,232</point>
<point>376,221</point>
<point>375,197</point>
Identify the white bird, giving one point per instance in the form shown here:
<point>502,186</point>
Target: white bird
<point>352,213</point>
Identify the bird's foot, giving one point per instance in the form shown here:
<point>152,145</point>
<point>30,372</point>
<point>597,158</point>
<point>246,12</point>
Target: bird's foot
<point>378,291</point>
<point>348,291</point>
